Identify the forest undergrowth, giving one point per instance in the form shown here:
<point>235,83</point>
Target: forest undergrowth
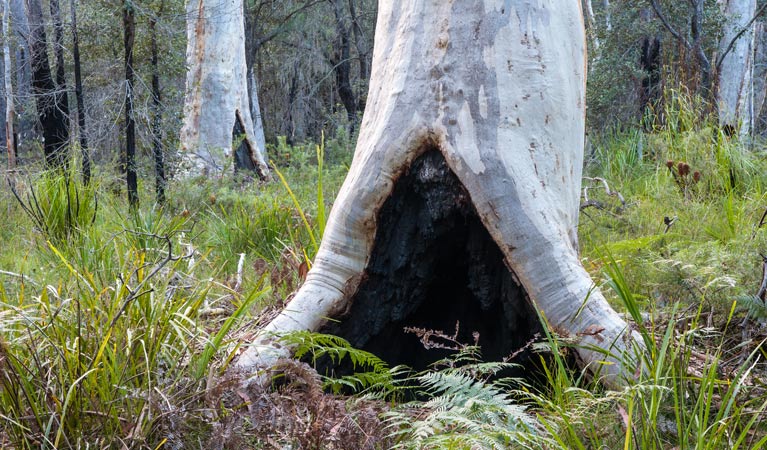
<point>117,326</point>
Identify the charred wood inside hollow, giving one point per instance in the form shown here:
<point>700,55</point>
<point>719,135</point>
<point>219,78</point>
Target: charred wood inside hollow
<point>434,264</point>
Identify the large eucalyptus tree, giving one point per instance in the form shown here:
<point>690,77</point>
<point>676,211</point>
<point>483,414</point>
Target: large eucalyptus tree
<point>462,201</point>
<point>216,101</point>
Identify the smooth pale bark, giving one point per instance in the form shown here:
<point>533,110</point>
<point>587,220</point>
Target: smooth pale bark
<point>255,111</point>
<point>22,68</point>
<point>8,91</point>
<point>735,93</point>
<point>216,88</point>
<point>498,87</point>
<point>592,24</point>
<point>760,74</point>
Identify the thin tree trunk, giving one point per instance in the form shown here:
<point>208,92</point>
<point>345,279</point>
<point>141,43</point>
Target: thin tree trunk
<point>735,93</point>
<point>50,110</point>
<point>157,147</point>
<point>255,110</point>
<point>129,35</point>
<point>3,97</point>
<point>591,24</point>
<point>760,76</point>
<point>58,51</point>
<point>341,61</point>
<point>85,154</point>
<point>510,130</point>
<point>361,44</point>
<point>22,71</point>
<point>608,15</point>
<point>8,91</point>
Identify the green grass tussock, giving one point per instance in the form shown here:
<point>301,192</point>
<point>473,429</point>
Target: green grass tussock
<point>116,326</point>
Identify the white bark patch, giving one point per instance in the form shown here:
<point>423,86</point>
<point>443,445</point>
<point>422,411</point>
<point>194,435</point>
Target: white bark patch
<point>482,98</point>
<point>466,140</point>
<point>735,95</point>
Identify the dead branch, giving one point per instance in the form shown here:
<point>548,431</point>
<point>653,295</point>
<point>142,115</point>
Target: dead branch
<point>24,278</point>
<point>669,27</point>
<point>138,291</point>
<point>738,35</point>
<point>606,186</point>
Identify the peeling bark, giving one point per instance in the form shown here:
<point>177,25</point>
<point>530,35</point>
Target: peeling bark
<point>497,87</point>
<point>216,88</point>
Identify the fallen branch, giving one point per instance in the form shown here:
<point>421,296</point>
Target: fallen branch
<point>24,278</point>
<point>138,292</point>
<point>587,202</point>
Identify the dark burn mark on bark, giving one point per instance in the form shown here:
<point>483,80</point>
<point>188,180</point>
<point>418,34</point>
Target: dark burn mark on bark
<point>434,264</point>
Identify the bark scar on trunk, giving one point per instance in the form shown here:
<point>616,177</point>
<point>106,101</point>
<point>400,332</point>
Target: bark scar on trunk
<point>434,265</point>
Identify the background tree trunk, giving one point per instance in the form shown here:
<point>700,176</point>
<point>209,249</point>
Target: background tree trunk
<point>8,90</point>
<point>82,129</point>
<point>51,111</point>
<point>22,70</point>
<point>491,88</point>
<point>255,110</point>
<point>217,92</point>
<point>760,75</point>
<point>341,61</point>
<point>129,36</point>
<point>157,147</point>
<point>62,97</point>
<point>735,93</point>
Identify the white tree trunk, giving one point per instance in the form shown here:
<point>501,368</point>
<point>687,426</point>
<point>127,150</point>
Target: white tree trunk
<point>592,25</point>
<point>8,89</point>
<point>216,88</point>
<point>735,94</point>
<point>760,71</point>
<point>608,15</point>
<point>255,113</point>
<point>25,127</point>
<point>498,88</point>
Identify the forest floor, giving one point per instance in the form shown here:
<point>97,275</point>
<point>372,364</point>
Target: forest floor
<point>116,327</point>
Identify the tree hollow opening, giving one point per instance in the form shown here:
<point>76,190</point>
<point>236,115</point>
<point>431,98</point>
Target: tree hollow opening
<point>434,265</point>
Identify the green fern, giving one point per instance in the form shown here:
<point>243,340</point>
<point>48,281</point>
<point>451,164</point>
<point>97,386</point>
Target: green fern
<point>463,412</point>
<point>374,377</point>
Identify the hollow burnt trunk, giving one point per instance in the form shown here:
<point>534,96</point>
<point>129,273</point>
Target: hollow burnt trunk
<point>497,90</point>
<point>434,266</point>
